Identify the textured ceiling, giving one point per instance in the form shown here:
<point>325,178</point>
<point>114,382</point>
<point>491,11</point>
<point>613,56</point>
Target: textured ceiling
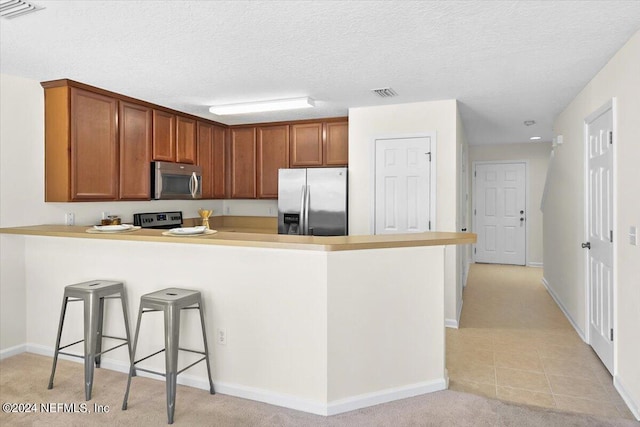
<point>505,61</point>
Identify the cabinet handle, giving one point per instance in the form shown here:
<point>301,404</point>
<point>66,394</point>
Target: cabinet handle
<point>193,185</point>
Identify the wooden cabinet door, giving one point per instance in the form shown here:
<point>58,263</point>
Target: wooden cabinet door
<point>336,144</point>
<point>243,163</point>
<point>164,136</point>
<point>273,154</point>
<point>186,140</point>
<point>219,162</point>
<point>94,146</point>
<point>205,158</point>
<point>306,145</point>
<point>135,132</point>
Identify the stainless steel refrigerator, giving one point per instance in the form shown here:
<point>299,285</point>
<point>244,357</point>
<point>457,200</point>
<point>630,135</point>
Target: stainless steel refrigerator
<point>312,201</point>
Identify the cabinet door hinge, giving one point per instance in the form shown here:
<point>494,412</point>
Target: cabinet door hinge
<point>429,154</point>
<point>611,334</point>
<point>474,212</point>
<point>610,137</point>
<point>475,251</point>
<point>475,173</point>
<point>611,236</point>
<point>429,225</point>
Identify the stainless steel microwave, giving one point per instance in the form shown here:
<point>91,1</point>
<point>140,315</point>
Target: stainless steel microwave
<point>175,181</point>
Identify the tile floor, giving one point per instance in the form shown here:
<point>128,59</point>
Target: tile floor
<point>515,344</point>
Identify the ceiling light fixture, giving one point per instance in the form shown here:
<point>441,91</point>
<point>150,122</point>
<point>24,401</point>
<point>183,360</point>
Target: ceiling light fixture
<point>14,8</point>
<point>262,106</point>
<point>529,122</point>
<point>535,138</point>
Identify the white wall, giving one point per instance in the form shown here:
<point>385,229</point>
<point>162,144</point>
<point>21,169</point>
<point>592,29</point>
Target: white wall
<point>368,123</point>
<point>564,222</point>
<point>537,155</point>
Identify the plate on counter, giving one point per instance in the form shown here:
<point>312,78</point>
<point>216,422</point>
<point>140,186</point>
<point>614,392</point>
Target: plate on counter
<point>189,232</point>
<point>112,228</point>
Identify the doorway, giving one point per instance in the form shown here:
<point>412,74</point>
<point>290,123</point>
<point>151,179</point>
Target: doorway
<point>404,185</point>
<point>500,208</point>
<point>599,216</point>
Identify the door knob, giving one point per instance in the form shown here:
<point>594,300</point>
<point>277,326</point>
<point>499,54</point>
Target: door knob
<point>586,245</point>
<point>521,219</point>
<point>521,212</point>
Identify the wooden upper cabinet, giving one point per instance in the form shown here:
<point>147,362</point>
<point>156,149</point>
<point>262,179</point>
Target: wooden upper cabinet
<point>185,140</point>
<point>219,164</point>
<point>306,145</point>
<point>212,153</point>
<point>336,144</point>
<point>164,136</point>
<point>243,163</point>
<point>205,158</point>
<point>94,146</point>
<point>135,133</point>
<point>272,154</point>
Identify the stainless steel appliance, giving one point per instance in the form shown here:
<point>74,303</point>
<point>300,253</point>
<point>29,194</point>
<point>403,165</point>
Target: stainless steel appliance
<point>175,181</point>
<point>312,201</point>
<point>163,220</point>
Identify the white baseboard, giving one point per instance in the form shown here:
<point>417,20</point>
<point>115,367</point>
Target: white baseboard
<point>564,310</point>
<point>466,273</point>
<point>454,323</point>
<point>267,396</point>
<point>535,264</point>
<point>12,351</point>
<point>634,407</point>
<point>383,396</point>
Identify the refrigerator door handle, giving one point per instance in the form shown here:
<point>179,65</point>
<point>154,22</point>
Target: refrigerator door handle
<point>301,225</point>
<point>306,210</point>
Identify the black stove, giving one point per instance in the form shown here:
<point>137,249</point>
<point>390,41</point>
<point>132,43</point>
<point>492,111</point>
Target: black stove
<point>160,220</point>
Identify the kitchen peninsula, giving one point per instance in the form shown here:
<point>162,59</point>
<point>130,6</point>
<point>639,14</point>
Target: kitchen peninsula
<point>319,324</point>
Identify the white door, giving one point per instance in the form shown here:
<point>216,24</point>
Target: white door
<point>402,185</point>
<point>500,217</point>
<point>600,233</point>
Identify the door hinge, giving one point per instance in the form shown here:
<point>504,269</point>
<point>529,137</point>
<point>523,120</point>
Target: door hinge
<point>611,334</point>
<point>429,154</point>
<point>611,236</point>
<point>610,137</point>
<point>474,212</point>
<point>475,251</point>
<point>429,225</point>
<point>475,173</point>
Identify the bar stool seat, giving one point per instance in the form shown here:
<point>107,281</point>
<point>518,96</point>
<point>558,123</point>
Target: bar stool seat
<point>93,294</point>
<point>171,301</point>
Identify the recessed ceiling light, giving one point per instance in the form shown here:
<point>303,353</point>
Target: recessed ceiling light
<point>262,106</point>
<point>535,138</point>
<point>529,122</point>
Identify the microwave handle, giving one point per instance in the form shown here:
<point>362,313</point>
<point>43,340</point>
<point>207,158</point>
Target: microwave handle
<point>193,185</point>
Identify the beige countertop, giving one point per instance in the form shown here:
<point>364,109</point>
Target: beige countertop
<point>258,240</point>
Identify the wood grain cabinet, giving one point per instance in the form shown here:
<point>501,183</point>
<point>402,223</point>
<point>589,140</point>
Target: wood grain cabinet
<point>272,154</point>
<point>336,144</point>
<point>135,139</point>
<point>212,153</point>
<point>306,145</point>
<point>243,163</point>
<point>185,140</point>
<point>164,136</point>
<point>320,144</point>
<point>81,145</point>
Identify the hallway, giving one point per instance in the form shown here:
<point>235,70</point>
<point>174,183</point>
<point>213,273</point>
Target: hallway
<point>515,344</point>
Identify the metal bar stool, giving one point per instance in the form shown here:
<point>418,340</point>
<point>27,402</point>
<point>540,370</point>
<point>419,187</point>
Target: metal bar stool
<point>92,293</point>
<point>171,301</point>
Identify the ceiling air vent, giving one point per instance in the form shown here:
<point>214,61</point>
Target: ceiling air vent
<point>14,8</point>
<point>385,92</point>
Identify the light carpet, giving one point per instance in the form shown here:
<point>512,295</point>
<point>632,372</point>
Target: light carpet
<point>24,378</point>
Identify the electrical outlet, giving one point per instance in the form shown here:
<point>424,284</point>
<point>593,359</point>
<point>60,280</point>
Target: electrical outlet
<point>222,336</point>
<point>70,218</point>
<point>227,210</point>
<point>270,211</point>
